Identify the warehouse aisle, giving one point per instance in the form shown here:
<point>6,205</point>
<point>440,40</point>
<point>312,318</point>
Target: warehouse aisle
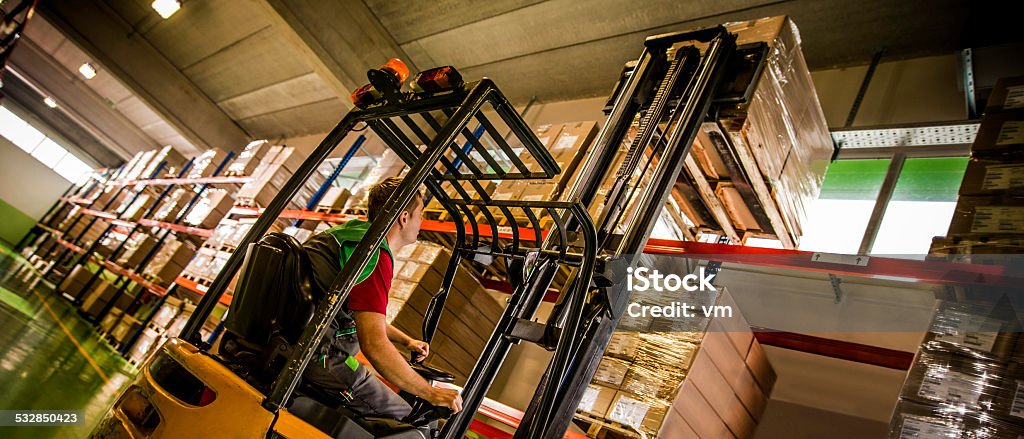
<point>50,358</point>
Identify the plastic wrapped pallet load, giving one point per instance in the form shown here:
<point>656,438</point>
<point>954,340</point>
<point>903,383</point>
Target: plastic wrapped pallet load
<point>780,140</point>
<point>675,378</point>
<point>967,380</point>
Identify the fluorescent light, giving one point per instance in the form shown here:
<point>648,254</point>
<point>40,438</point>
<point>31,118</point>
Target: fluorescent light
<point>87,70</point>
<point>50,102</point>
<point>166,8</point>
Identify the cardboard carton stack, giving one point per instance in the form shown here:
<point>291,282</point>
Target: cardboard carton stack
<point>779,143</point>
<point>170,260</point>
<point>680,378</point>
<point>172,160</point>
<point>135,211</point>
<point>204,164</point>
<point>167,322</point>
<point>172,205</point>
<point>102,293</point>
<point>213,205</point>
<point>334,199</point>
<point>967,377</point>
<point>74,284</point>
<point>214,252</point>
<point>135,249</point>
<point>248,159</point>
<point>469,311</point>
<point>389,165</point>
<point>989,215</point>
<point>277,166</point>
<point>88,233</point>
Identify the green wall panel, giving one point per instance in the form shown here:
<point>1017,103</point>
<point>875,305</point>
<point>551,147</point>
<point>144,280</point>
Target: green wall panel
<point>14,224</point>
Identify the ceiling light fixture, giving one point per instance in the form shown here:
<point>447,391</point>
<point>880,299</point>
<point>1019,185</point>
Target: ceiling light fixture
<point>87,70</point>
<point>166,8</point>
<point>50,102</point>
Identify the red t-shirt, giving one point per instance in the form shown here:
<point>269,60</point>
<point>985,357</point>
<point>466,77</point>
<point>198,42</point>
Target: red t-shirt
<point>372,293</point>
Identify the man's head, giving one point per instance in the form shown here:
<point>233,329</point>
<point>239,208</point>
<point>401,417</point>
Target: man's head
<point>407,227</point>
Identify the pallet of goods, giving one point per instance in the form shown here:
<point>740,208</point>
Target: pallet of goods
<point>419,269</point>
<point>664,377</point>
<point>752,172</point>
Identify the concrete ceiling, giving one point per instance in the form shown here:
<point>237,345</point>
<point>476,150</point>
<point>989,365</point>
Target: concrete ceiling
<point>220,72</point>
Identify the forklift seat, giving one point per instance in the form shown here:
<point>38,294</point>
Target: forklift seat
<point>273,302</point>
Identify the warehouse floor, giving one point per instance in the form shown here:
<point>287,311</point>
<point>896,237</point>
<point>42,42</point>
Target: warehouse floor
<point>50,357</point>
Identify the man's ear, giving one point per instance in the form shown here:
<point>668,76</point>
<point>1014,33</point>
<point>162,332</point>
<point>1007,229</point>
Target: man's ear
<point>403,218</point>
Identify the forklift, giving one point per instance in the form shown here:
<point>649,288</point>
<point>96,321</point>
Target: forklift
<point>252,386</point>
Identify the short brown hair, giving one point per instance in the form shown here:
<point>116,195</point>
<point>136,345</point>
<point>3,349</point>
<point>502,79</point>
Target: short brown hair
<point>379,194</point>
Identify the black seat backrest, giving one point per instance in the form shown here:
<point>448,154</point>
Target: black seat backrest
<point>274,292</point>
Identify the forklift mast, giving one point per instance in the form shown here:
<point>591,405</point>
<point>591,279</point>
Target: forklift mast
<point>679,79</point>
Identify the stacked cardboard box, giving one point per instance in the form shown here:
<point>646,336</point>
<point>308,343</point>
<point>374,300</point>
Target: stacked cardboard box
<point>680,377</point>
<point>136,168</point>
<point>248,159</point>
<point>135,211</point>
<point>167,322</point>
<point>85,233</point>
<point>389,165</point>
<point>334,199</point>
<point>990,210</point>
<point>171,159</point>
<point>967,376</point>
<point>135,249</point>
<point>204,165</point>
<point>459,340</point>
<point>171,205</point>
<point>102,293</point>
<point>170,260</point>
<point>277,166</point>
<point>780,143</point>
<point>212,206</point>
<point>74,284</point>
<point>214,252</point>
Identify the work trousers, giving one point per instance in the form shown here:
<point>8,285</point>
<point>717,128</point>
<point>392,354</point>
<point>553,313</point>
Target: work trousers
<point>361,390</point>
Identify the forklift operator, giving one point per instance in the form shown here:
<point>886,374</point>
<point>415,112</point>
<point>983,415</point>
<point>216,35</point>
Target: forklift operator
<point>361,323</point>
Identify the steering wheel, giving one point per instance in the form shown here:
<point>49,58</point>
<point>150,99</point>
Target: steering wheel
<point>422,411</point>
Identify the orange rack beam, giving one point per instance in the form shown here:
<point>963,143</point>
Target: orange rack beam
<point>931,272</point>
<point>225,299</point>
<point>205,233</point>
<point>241,179</point>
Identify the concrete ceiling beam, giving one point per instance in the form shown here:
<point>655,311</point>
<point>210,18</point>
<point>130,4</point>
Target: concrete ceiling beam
<point>103,34</point>
<point>341,40</point>
<point>79,102</point>
<point>78,139</point>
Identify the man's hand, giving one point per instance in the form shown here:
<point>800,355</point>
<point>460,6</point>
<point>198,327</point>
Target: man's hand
<point>446,398</point>
<point>419,348</point>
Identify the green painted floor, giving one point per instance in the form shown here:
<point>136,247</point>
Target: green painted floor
<point>50,358</point>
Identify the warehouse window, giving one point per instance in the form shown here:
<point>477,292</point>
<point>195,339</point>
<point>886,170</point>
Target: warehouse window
<point>837,220</point>
<point>44,149</point>
<point>921,207</point>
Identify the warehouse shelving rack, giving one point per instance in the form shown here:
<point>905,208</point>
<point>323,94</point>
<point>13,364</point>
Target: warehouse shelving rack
<point>87,206</point>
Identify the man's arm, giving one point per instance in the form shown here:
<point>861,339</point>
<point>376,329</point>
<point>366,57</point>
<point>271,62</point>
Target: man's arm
<point>373,332</point>
<point>397,336</point>
<point>420,348</point>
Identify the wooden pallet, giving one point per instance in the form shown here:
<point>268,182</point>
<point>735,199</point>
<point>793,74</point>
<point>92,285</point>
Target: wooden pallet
<point>746,160</point>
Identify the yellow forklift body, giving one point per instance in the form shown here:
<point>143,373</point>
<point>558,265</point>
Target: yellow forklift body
<point>235,412</point>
